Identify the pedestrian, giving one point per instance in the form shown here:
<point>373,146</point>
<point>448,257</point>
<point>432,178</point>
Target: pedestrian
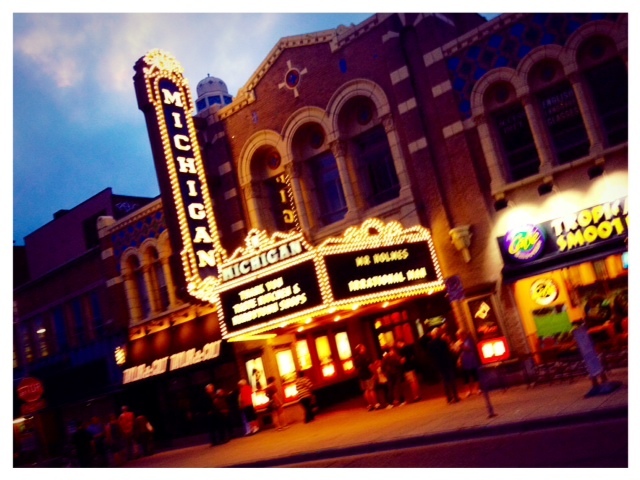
<point>97,430</point>
<point>381,386</point>
<point>116,449</point>
<point>445,362</point>
<point>218,412</point>
<point>365,369</point>
<point>245,401</point>
<point>305,395</point>
<point>392,368</point>
<point>143,435</point>
<point>126,421</point>
<point>468,361</point>
<point>83,443</point>
<point>275,405</point>
<point>409,366</point>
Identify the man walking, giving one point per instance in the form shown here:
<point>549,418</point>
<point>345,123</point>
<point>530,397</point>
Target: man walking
<point>445,362</point>
<point>305,395</point>
<point>362,363</point>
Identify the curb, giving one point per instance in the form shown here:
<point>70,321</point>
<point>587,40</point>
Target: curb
<point>455,435</point>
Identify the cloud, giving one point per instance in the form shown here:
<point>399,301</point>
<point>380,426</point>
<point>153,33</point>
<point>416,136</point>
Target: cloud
<point>90,57</point>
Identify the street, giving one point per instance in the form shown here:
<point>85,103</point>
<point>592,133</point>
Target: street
<point>594,445</point>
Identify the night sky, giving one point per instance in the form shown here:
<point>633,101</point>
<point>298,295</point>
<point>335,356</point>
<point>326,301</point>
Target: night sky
<point>76,126</point>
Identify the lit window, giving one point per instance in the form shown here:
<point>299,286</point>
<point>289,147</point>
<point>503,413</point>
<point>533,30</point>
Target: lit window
<point>41,337</point>
<point>286,367</point>
<point>324,355</point>
<point>344,351</point>
<point>303,354</point>
<point>386,339</point>
<point>255,373</point>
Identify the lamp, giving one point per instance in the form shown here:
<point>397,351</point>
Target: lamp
<point>546,186</point>
<point>121,355</point>
<point>461,239</point>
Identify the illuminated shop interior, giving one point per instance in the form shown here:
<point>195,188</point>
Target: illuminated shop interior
<point>549,303</point>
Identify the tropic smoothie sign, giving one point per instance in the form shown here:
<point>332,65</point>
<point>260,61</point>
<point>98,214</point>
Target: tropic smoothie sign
<point>599,223</point>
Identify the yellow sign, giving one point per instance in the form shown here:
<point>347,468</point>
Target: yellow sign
<point>591,224</point>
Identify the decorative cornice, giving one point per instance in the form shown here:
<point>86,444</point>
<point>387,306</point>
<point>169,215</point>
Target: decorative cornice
<point>142,212</point>
<point>337,38</point>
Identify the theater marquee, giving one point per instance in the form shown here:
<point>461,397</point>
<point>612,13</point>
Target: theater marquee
<point>276,280</point>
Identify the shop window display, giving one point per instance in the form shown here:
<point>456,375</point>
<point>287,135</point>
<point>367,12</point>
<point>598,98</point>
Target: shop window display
<point>393,327</point>
<point>287,371</point>
<point>324,356</point>
<point>344,351</point>
<point>258,380</point>
<point>591,292</point>
<point>303,354</point>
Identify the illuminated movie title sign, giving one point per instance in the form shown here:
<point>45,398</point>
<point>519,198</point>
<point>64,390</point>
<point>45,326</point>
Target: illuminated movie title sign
<point>187,174</point>
<point>292,290</point>
<point>378,269</point>
<point>172,362</point>
<point>591,225</point>
<point>164,96</point>
<point>264,259</point>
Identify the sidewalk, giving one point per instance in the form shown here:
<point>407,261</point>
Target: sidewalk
<point>353,430</point>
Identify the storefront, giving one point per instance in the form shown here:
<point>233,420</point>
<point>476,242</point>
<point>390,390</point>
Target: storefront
<point>308,309</point>
<point>165,374</point>
<point>571,269</point>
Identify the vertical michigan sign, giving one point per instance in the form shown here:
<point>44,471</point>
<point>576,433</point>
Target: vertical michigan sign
<point>164,97</point>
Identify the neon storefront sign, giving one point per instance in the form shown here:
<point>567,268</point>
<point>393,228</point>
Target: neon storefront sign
<point>525,243</point>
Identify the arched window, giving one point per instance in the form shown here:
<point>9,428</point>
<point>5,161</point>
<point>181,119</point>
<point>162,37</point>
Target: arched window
<point>375,170</point>
<point>513,132</point>
<point>311,150</point>
<point>329,193</point>
<point>375,166</point>
<point>159,282</point>
<point>607,79</point>
<point>274,189</point>
<point>559,111</point>
<point>140,296</point>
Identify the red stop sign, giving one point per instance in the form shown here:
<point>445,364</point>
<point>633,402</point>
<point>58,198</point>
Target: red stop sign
<point>30,389</point>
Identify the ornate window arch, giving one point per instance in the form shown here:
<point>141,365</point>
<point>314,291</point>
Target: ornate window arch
<point>320,174</point>
<point>135,286</point>
<point>266,183</point>
<point>601,61</point>
<point>361,120</point>
<point>554,109</point>
<point>154,277</point>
